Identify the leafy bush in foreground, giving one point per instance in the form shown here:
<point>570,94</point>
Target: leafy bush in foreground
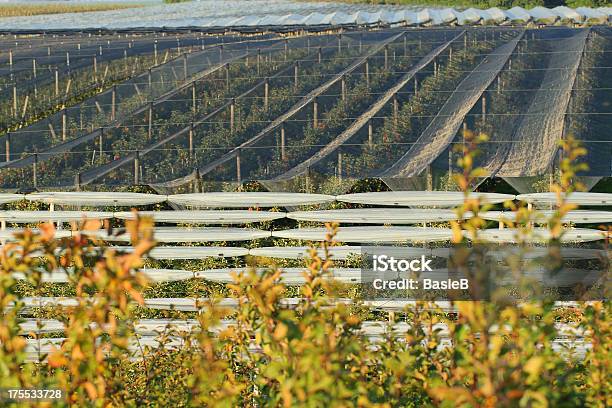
<point>313,354</point>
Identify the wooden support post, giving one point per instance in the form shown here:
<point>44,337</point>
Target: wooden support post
<point>367,72</point>
<point>405,46</point>
<point>56,83</point>
<point>198,181</point>
<point>150,80</point>
<point>238,170</point>
<point>343,88</point>
<point>11,60</point>
<point>184,67</point>
<point>370,133</point>
<point>232,114</point>
<point>35,171</point>
<point>154,52</point>
<point>386,57</point>
<point>282,137</point>
<point>150,118</point>
<point>194,103</point>
<point>227,76</point>
<point>7,146</point>
<point>24,110</point>
<point>68,59</point>
<point>191,130</point>
<point>137,168</point>
<point>484,109</point>
<point>266,92</point>
<point>15,102</point>
<point>34,70</point>
<point>395,113</point>
<point>95,66</point>
<point>77,181</point>
<point>416,86</point>
<point>315,113</point>
<point>450,167</point>
<point>286,48</point>
<point>450,54</point>
<point>429,178</point>
<point>340,164</point>
<point>258,61</point>
<point>64,124</point>
<point>295,75</point>
<point>101,144</point>
<point>114,102</point>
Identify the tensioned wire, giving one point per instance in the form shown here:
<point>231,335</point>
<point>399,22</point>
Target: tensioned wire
<point>289,147</point>
<point>21,44</point>
<point>349,35</point>
<point>355,73</point>
<point>240,38</point>
<point>214,99</point>
<point>322,75</point>
<point>320,119</point>
<point>340,58</point>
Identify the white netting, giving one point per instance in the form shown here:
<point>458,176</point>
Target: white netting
<point>443,128</point>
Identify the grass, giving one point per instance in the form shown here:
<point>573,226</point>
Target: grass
<point>24,9</point>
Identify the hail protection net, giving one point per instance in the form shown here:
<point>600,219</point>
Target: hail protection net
<point>534,143</point>
<point>39,76</point>
<point>317,112</point>
<point>393,127</point>
<point>589,112</point>
<point>63,144</point>
<point>223,151</point>
<point>444,127</point>
<point>255,90</point>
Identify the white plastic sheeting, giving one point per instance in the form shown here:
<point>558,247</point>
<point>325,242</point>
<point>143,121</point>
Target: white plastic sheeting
<point>252,13</point>
<point>6,198</point>
<point>301,252</point>
<point>205,217</point>
<point>543,15</point>
<point>539,235</point>
<point>493,15</point>
<point>155,275</point>
<point>594,16</point>
<point>196,304</point>
<point>290,276</point>
<point>375,215</point>
<point>369,234</point>
<point>517,15</point>
<point>54,216</point>
<point>169,234</point>
<point>196,252</point>
<point>421,198</point>
<point>249,199</point>
<point>111,199</point>
<point>575,217</point>
<point>9,233</point>
<point>568,14</point>
<point>579,198</point>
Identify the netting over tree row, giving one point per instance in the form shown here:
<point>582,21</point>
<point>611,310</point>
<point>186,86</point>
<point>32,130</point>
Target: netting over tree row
<point>391,103</point>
